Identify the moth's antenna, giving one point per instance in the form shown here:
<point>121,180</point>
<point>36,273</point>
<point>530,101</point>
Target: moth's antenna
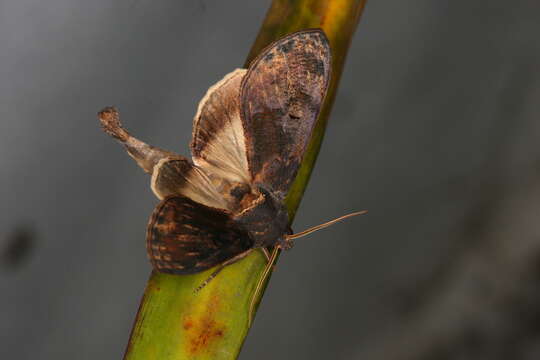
<point>322,226</point>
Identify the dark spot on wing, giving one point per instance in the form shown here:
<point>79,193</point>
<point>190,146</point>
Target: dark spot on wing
<point>319,67</point>
<point>285,48</point>
<point>269,56</point>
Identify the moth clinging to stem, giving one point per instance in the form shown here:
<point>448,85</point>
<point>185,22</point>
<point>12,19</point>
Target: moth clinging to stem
<point>250,133</point>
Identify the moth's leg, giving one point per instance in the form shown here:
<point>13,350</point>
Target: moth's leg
<point>147,156</point>
<point>266,253</point>
<point>260,284</point>
<point>221,267</point>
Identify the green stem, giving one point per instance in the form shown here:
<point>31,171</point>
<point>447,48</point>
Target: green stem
<point>172,321</point>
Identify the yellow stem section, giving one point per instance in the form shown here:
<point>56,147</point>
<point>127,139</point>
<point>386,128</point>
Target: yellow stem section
<point>173,322</point>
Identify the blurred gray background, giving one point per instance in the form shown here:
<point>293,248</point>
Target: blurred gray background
<point>435,130</point>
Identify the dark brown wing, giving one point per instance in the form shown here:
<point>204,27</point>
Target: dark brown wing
<point>281,95</point>
<point>185,237</point>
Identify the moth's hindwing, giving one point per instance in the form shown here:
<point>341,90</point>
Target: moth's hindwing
<point>281,95</point>
<point>185,237</point>
<point>218,143</point>
<point>178,176</point>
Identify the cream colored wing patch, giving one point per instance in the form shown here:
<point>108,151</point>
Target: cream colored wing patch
<point>177,176</point>
<point>218,144</point>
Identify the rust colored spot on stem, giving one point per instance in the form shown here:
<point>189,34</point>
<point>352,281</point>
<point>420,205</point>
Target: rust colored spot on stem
<point>188,324</point>
<point>202,333</point>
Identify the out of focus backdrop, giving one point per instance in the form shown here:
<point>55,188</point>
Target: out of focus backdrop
<point>435,130</point>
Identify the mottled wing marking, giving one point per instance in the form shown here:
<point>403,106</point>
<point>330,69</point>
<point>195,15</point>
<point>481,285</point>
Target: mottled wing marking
<point>280,97</point>
<point>185,237</point>
<point>218,144</point>
<point>177,176</point>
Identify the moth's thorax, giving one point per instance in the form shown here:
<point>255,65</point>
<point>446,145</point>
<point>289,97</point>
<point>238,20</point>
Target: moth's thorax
<point>265,219</point>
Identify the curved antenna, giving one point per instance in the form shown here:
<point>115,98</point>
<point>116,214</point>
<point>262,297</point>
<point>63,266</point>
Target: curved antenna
<point>322,226</point>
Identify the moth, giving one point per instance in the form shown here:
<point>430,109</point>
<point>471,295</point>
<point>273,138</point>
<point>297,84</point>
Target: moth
<point>250,133</point>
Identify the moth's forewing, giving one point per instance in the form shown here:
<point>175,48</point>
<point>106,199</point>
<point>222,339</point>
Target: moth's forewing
<point>218,143</point>
<point>281,95</point>
<point>177,176</point>
<point>185,237</point>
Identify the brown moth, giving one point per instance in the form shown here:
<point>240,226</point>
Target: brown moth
<point>249,136</point>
